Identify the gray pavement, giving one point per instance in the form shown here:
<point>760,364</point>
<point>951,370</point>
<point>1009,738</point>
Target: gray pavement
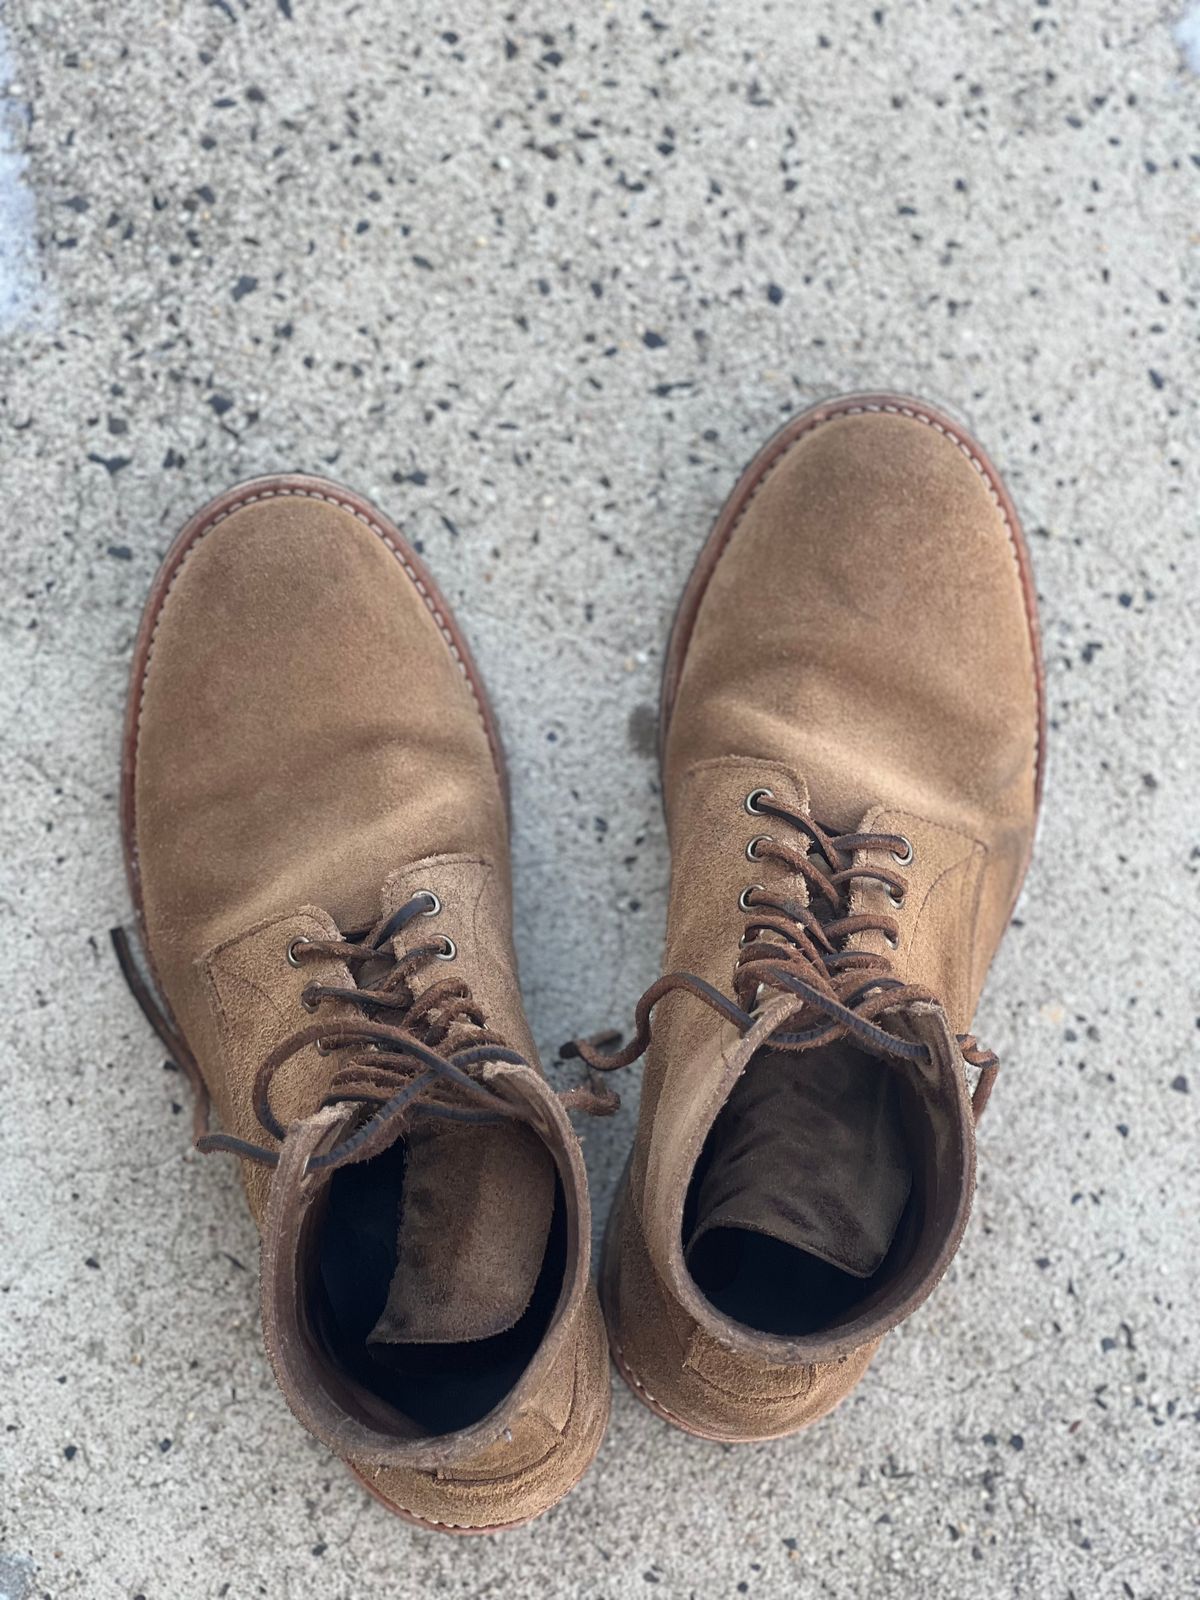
<point>539,279</point>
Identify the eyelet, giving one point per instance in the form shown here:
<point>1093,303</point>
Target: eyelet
<point>751,801</point>
<point>752,848</point>
<point>744,897</point>
<point>435,905</point>
<point>894,899</point>
<point>906,859</point>
<point>893,940</point>
<point>309,1001</point>
<point>293,958</point>
<point>325,1048</point>
<point>448,951</point>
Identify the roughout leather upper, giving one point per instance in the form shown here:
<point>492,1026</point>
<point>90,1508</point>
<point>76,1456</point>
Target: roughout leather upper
<point>863,649</point>
<point>305,731</point>
<point>310,753</point>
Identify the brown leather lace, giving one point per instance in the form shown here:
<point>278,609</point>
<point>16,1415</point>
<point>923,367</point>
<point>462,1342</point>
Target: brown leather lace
<point>799,948</point>
<point>424,1059</point>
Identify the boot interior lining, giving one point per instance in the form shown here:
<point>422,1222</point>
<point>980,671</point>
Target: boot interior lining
<point>774,1287</point>
<point>777,1288</point>
<point>438,1387</point>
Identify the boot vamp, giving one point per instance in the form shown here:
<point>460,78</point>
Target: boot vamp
<point>305,729</point>
<point>866,625</point>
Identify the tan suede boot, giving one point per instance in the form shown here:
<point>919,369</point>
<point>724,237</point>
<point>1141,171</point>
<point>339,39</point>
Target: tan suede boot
<point>317,843</point>
<point>851,737</point>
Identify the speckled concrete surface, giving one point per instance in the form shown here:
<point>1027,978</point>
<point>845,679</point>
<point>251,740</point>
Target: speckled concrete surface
<point>540,287</point>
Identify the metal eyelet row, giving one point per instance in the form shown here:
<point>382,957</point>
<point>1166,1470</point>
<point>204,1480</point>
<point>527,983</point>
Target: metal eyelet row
<point>753,804</point>
<point>896,900</point>
<point>449,949</point>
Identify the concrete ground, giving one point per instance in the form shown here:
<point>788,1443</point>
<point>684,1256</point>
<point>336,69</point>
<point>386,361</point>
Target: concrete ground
<point>539,279</point>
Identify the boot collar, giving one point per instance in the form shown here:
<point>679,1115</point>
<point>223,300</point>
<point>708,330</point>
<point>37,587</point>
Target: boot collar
<point>944,1178</point>
<point>352,1422</point>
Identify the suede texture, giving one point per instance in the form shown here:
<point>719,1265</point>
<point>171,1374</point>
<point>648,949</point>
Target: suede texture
<point>687,1374</point>
<point>863,647</point>
<point>309,750</point>
<point>543,1453</point>
<point>520,1459</point>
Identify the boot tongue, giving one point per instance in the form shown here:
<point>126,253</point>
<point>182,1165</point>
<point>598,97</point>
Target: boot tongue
<point>471,1232</point>
<point>474,1217</point>
<point>808,1150</point>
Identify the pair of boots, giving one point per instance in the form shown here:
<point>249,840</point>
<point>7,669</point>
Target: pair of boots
<point>316,832</point>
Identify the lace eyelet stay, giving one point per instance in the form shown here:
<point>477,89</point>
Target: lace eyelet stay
<point>800,947</point>
<point>438,1031</point>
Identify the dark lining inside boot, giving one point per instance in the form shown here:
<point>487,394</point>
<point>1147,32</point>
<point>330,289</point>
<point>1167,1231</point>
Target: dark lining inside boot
<point>440,1387</point>
<point>766,1284</point>
<point>803,1204</point>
